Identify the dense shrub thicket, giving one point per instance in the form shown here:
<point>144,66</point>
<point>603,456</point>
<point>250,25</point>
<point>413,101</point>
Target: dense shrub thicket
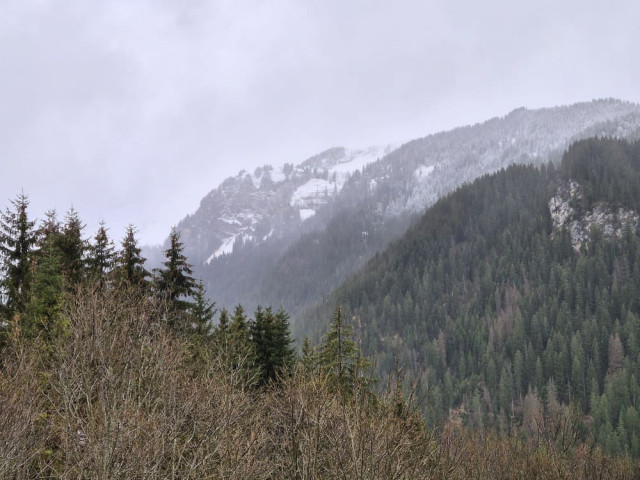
<point>121,394</point>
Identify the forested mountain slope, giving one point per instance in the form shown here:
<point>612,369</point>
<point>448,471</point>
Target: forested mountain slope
<point>289,235</point>
<point>517,291</point>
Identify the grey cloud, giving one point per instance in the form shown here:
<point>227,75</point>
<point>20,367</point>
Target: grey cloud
<point>133,110</point>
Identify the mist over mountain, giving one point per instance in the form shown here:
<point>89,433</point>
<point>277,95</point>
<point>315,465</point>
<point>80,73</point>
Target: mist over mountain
<point>287,235</point>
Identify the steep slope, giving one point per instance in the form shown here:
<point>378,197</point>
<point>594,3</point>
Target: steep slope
<point>270,202</point>
<point>288,235</point>
<point>503,301</point>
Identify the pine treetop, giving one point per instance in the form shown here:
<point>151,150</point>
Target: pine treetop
<point>17,243</point>
<point>175,280</point>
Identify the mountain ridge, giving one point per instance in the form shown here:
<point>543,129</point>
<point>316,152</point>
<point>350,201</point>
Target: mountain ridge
<point>266,245</point>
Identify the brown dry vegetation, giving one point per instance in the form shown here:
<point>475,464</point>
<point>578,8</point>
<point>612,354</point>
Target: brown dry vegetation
<point>121,396</point>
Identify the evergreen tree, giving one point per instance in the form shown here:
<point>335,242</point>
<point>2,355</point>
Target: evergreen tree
<point>49,227</point>
<point>271,340</point>
<point>505,389</point>
<point>174,281</point>
<point>231,340</point>
<point>17,242</point>
<point>47,297</point>
<point>239,328</point>
<point>284,354</point>
<point>72,248</point>
<point>616,354</point>
<point>307,357</point>
<point>102,255</point>
<point>221,331</point>
<point>129,262</point>
<point>202,311</point>
<point>339,357</point>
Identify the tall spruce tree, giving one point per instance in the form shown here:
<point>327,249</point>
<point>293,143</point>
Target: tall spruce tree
<point>48,227</point>
<point>129,263</point>
<point>202,311</point>
<point>340,358</point>
<point>101,257</point>
<point>72,248</point>
<point>174,280</point>
<point>239,328</point>
<point>230,339</point>
<point>221,331</point>
<point>238,334</point>
<point>44,317</point>
<point>284,355</point>
<point>17,242</point>
<point>271,339</point>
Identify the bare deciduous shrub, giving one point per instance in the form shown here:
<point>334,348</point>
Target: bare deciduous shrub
<point>327,436</point>
<point>121,395</point>
<point>23,412</point>
<point>133,404</point>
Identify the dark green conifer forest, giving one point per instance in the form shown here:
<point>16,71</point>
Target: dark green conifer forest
<point>511,326</point>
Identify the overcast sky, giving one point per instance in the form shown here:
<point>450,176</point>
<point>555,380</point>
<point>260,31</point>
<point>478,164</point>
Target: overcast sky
<point>133,110</point>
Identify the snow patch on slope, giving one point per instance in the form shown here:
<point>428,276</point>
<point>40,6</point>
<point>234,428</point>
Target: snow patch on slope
<point>230,221</point>
<point>310,192</point>
<point>277,175</point>
<point>264,239</point>
<point>424,171</point>
<point>306,213</point>
<point>225,248</point>
<point>357,159</point>
<point>316,192</point>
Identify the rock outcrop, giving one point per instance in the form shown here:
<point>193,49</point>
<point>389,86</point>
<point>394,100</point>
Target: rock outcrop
<point>565,211</point>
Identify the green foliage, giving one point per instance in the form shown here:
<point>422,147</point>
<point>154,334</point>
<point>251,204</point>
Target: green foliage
<point>486,301</point>
<point>202,312</point>
<point>262,345</point>
<point>271,344</point>
<point>17,243</point>
<point>608,168</point>
<point>174,281</point>
<point>72,248</point>
<point>44,314</point>
<point>513,329</point>
<point>101,254</point>
<point>129,263</point>
<point>239,329</point>
<point>39,269</point>
<point>340,358</point>
<point>121,396</point>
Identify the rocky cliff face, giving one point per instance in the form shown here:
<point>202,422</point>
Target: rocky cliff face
<point>566,212</point>
<point>271,203</point>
